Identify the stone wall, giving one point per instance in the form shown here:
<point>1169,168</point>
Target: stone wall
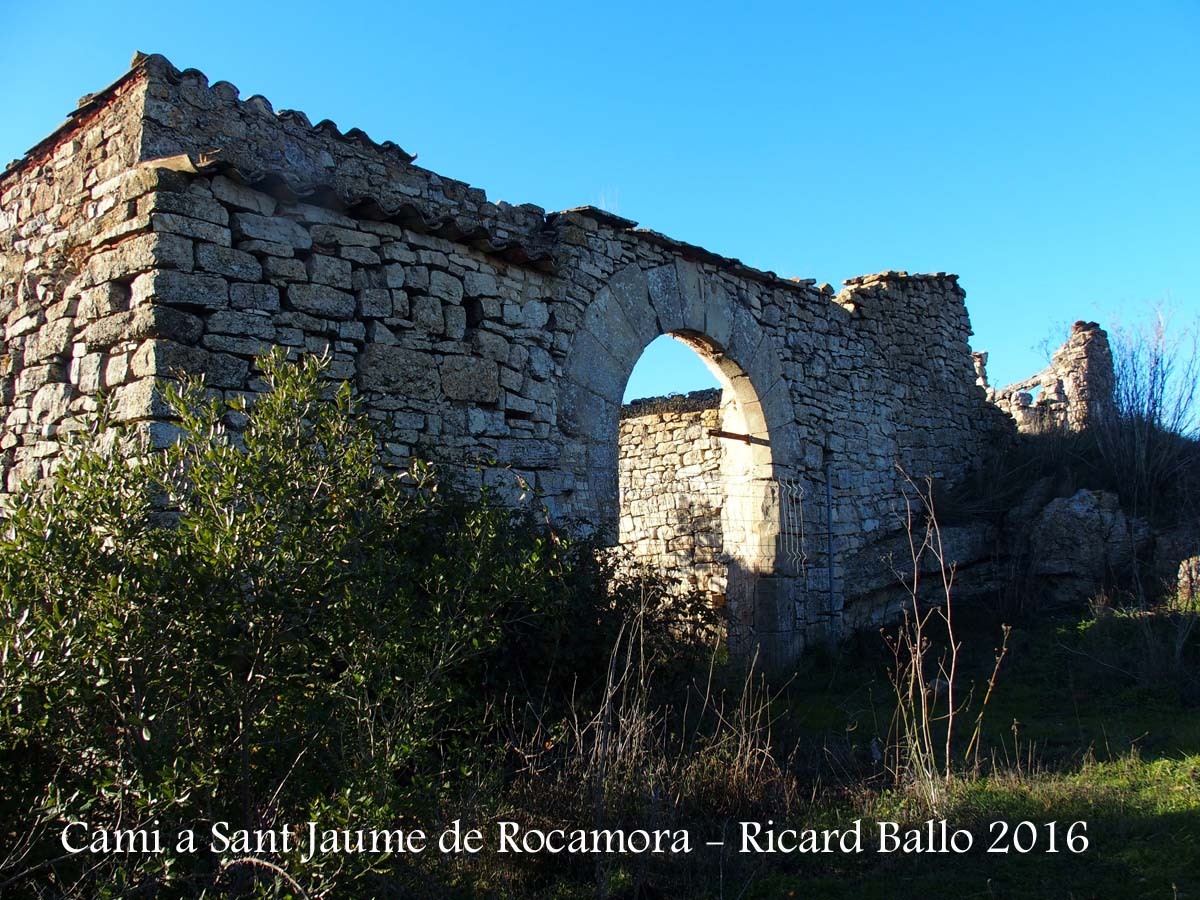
<point>1075,390</point>
<point>170,225</point>
<point>66,260</point>
<point>673,491</point>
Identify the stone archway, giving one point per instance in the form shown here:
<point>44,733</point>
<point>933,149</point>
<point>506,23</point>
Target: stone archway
<point>679,299</point>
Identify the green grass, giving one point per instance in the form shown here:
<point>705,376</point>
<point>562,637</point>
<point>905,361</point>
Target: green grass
<point>1143,830</point>
<point>1070,691</point>
<point>1077,731</point>
<point>1106,731</point>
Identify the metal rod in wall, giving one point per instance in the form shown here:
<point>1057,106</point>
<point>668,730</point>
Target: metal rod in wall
<point>737,436</point>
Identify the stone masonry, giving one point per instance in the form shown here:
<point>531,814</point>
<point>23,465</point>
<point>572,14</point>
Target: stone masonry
<point>672,490</point>
<point>1073,392</point>
<point>171,225</point>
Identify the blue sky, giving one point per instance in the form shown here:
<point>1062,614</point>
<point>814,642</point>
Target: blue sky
<point>1049,153</point>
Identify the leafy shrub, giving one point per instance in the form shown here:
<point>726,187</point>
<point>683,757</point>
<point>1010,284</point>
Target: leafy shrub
<point>258,625</point>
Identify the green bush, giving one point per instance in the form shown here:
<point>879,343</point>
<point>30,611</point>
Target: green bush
<point>259,625</point>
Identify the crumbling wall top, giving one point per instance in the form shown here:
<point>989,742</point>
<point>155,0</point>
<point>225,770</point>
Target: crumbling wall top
<point>284,154</point>
<point>694,401</point>
<point>1074,391</point>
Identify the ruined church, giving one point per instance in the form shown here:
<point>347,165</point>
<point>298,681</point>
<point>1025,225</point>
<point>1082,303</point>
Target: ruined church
<point>170,225</point>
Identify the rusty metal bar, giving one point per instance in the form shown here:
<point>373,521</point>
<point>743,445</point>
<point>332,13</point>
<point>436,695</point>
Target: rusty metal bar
<point>734,436</point>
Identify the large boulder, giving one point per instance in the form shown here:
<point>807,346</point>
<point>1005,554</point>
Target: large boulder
<point>1078,543</point>
<point>878,578</point>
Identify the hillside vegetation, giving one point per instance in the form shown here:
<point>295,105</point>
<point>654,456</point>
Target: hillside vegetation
<point>260,626</point>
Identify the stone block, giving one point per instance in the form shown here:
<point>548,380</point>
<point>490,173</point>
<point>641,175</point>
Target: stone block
<point>31,378</point>
<point>433,258</point>
<point>235,264</point>
<point>52,339</point>
<point>318,346</point>
<point>239,346</point>
<point>85,372</point>
<point>490,345</point>
<point>305,322</point>
<point>397,252</point>
<point>193,228</point>
<point>242,197</point>
<point>49,404</point>
<point>516,404</point>
<point>415,278</point>
<point>375,303</point>
<point>280,269</point>
<point>139,400</point>
<point>102,300</point>
<point>364,277</point>
<point>166,359</point>
<point>289,337</point>
<point>360,255</point>
<point>138,254</point>
<point>165,322</point>
<point>321,300</point>
<point>116,370</point>
<point>191,206</point>
<point>535,314</point>
<point>392,369</point>
<point>394,276</point>
<point>400,304</point>
<point>456,322</point>
<point>275,229</point>
<point>229,322</point>
<point>266,248</point>
<point>327,235</point>
<point>594,368</point>
<point>328,270</point>
<point>379,333</point>
<point>470,378</point>
<point>445,287</point>
<point>19,326</point>
<point>180,289</point>
<point>481,284</point>
<point>254,296</point>
<point>427,314</point>
<point>107,331</point>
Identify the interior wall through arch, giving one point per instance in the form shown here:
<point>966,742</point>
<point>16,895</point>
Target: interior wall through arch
<point>697,493</point>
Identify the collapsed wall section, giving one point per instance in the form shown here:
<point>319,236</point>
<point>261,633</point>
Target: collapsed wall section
<point>1073,392</point>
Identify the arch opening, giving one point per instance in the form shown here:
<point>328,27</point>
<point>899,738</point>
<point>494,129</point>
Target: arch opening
<point>698,499</point>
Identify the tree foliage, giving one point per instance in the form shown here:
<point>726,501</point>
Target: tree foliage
<point>258,624</point>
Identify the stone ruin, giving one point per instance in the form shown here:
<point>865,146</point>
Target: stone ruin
<point>1073,392</point>
<point>675,487</point>
<point>170,225</point>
